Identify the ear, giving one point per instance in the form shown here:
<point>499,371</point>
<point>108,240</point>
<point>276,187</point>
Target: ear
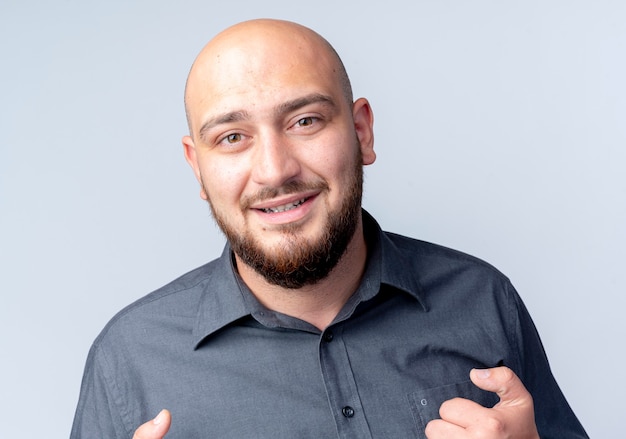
<point>364,127</point>
<point>192,158</point>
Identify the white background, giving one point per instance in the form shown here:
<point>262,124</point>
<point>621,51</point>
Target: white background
<point>501,131</point>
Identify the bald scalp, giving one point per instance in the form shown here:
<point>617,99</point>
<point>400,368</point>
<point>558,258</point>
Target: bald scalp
<point>263,32</point>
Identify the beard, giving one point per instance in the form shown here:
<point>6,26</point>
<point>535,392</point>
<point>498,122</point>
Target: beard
<point>297,261</point>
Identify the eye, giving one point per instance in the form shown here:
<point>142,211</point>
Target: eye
<point>306,121</point>
<point>232,138</point>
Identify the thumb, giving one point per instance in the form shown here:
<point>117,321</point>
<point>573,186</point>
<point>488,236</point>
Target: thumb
<point>156,428</point>
<point>503,382</point>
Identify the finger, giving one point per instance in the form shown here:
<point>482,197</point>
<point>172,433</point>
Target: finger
<point>156,428</point>
<point>440,429</point>
<point>462,412</point>
<point>503,382</point>
<point>514,414</point>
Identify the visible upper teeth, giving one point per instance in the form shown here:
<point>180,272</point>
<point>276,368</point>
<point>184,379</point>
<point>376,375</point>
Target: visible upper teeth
<point>284,207</point>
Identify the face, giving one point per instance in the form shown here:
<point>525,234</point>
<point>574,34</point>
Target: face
<point>279,154</point>
<point>297,260</point>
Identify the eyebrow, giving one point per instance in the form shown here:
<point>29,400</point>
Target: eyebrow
<point>283,108</point>
<point>296,104</point>
<point>233,116</point>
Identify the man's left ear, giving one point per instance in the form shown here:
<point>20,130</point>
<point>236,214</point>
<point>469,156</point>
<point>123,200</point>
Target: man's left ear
<point>364,127</point>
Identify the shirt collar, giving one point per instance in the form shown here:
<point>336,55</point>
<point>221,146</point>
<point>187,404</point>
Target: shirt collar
<point>223,301</point>
<point>389,263</point>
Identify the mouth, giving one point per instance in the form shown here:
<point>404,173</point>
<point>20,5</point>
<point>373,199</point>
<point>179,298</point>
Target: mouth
<point>284,207</point>
<point>292,203</point>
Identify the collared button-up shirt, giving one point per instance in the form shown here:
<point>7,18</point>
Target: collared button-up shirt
<point>226,367</point>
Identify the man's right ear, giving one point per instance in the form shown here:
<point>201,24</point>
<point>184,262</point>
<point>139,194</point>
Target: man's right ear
<point>189,149</point>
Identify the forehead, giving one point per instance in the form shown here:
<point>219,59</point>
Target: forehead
<point>251,74</point>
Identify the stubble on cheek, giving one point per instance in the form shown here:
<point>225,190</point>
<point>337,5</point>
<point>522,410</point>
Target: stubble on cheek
<point>295,261</point>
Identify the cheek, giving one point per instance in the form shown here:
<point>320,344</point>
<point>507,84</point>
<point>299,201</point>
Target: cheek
<point>223,182</point>
<point>341,160</point>
<point>336,154</point>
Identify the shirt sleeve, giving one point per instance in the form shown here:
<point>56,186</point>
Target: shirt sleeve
<point>553,415</point>
<point>98,414</point>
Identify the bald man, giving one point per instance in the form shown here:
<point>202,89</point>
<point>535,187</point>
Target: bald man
<point>314,323</point>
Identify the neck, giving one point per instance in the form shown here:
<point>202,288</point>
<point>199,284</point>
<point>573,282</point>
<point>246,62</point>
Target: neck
<point>316,304</point>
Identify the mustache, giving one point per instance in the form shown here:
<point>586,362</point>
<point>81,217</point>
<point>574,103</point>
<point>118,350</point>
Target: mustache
<point>290,187</point>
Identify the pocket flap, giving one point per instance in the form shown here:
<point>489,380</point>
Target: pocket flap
<point>425,403</point>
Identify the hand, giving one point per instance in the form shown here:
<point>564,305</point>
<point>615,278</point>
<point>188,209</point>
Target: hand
<point>156,428</point>
<point>512,417</point>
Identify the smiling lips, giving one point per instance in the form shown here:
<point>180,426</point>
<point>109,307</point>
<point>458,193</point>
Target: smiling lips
<point>280,204</point>
<point>284,207</point>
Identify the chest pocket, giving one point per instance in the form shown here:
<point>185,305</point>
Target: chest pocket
<point>425,403</point>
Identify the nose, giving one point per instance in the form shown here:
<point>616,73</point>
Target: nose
<point>274,160</point>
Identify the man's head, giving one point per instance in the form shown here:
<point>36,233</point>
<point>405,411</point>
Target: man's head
<point>307,36</point>
<point>278,147</point>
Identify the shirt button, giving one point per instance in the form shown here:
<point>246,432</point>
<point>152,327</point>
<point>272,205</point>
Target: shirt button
<point>347,411</point>
<point>328,336</point>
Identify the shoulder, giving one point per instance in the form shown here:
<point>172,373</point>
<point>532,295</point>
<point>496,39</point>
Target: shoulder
<point>443,277</point>
<point>434,257</point>
<point>176,302</point>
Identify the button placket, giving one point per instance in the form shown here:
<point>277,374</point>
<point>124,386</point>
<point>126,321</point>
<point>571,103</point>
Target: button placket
<point>339,380</point>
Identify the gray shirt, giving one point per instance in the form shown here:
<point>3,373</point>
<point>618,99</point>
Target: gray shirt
<point>226,367</point>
